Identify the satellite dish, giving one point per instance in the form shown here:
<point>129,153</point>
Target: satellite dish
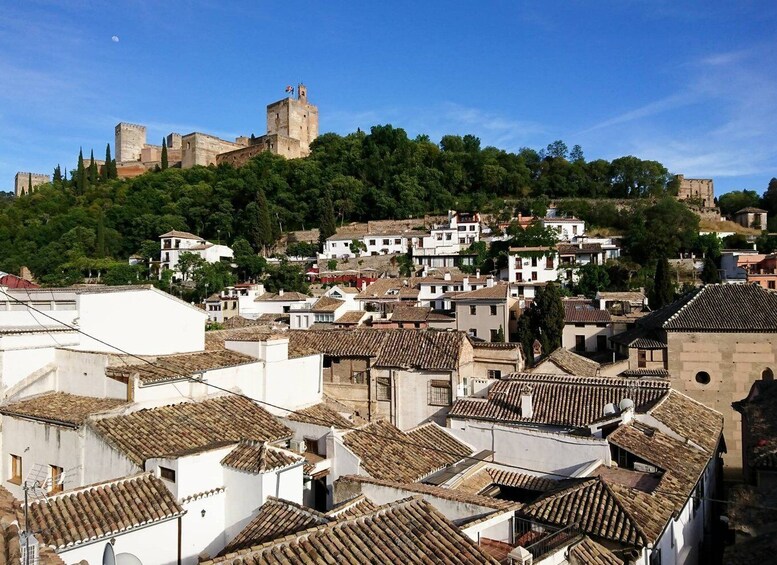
<point>626,403</point>
<point>610,409</point>
<point>127,559</point>
<point>108,556</point>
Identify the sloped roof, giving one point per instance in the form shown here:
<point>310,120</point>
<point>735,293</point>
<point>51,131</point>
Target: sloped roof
<point>421,349</point>
<point>10,544</point>
<point>321,415</point>
<point>292,296</point>
<point>588,552</point>
<point>690,419</point>
<point>258,457</point>
<point>101,511</point>
<point>578,249</point>
<point>357,506</point>
<point>750,210</point>
<point>407,531</point>
<point>560,400</point>
<point>181,234</point>
<point>572,363</point>
<point>351,317</point>
<point>576,311</point>
<point>174,367</point>
<point>495,476</point>
<point>277,518</point>
<point>188,427</point>
<point>59,407</point>
<point>718,308</point>
<point>386,452</point>
<point>410,314</point>
<point>496,292</point>
<point>326,304</point>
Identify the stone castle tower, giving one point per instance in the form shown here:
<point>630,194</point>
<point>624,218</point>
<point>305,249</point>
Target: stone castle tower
<point>25,183</point>
<point>129,141</point>
<point>294,118</point>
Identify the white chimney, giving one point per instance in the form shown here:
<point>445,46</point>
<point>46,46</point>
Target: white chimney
<point>465,283</point>
<point>477,273</point>
<point>280,292</point>
<point>527,410</point>
<point>490,282</point>
<point>446,276</point>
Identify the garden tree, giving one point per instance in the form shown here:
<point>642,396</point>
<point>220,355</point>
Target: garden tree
<point>733,201</point>
<point>769,200</point>
<point>327,227</point>
<point>593,278</point>
<point>358,246</point>
<point>212,277</point>
<point>164,154</point>
<point>93,174</point>
<point>249,264</point>
<point>406,265</point>
<point>188,264</point>
<point>660,230</point>
<point>29,182</point>
<point>710,273</point>
<point>736,241</point>
<point>500,334</point>
<point>122,273</point>
<point>634,178</point>
<point>708,245</point>
<point>662,292</point>
<point>525,336</point>
<point>766,243</point>
<point>331,265</point>
<point>301,249</point>
<point>576,154</point>
<point>149,250</point>
<point>479,262</point>
<point>546,317</point>
<point>57,174</point>
<point>80,173</point>
<point>285,276</point>
<point>105,170</point>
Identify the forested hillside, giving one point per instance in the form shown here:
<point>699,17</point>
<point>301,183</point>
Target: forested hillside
<point>91,219</point>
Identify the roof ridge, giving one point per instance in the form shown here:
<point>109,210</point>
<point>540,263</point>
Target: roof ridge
<point>93,486</point>
<point>616,498</point>
<point>682,308</point>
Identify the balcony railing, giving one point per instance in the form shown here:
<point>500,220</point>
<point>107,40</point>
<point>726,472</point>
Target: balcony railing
<point>540,539</point>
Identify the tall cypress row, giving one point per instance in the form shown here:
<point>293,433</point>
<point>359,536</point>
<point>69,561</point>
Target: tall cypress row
<point>164,154</point>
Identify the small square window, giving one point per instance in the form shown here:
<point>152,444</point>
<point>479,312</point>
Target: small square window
<point>383,391</point>
<point>493,309</point>
<point>473,310</point>
<point>57,478</point>
<point>16,470</point>
<point>439,393</point>
<point>494,374</point>
<point>167,474</point>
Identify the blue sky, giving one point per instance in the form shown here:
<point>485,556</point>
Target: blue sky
<point>690,84</point>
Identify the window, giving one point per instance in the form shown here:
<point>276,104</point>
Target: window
<point>439,393</point>
<point>433,289</point>
<point>16,470</point>
<point>397,242</point>
<point>655,557</point>
<point>533,261</point>
<point>492,308</point>
<point>439,237</point>
<point>642,358</point>
<point>327,362</point>
<point>448,236</point>
<point>472,332</point>
<point>579,343</point>
<point>383,388</point>
<point>372,242</point>
<point>703,378</point>
<point>57,478</point>
<point>601,343</point>
<point>473,310</point>
<point>359,377</point>
<point>767,374</point>
<point>771,285</point>
<point>494,374</point>
<point>167,474</point>
<point>494,335</point>
<point>548,262</point>
<point>386,242</point>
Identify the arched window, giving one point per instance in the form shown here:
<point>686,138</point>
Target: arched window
<point>767,374</point>
<point>703,378</point>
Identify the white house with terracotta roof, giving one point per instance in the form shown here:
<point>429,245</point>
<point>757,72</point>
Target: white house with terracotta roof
<point>529,268</point>
<point>174,243</point>
<point>335,302</point>
<point>566,228</point>
<point>489,313</point>
<point>435,289</point>
<point>443,245</point>
<point>587,329</point>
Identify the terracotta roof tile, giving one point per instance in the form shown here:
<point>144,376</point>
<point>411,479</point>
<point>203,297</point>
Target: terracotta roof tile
<point>577,312</point>
<point>60,407</point>
<point>326,304</point>
<point>351,317</point>
<point>277,518</point>
<point>690,419</point>
<point>10,544</point>
<point>578,249</point>
<point>175,367</point>
<point>588,552</point>
<point>407,531</point>
<point>188,427</point>
<point>496,292</point>
<point>410,314</point>
<point>285,297</point>
<point>559,400</point>
<point>574,364</point>
<point>103,510</point>
<point>321,415</point>
<point>386,452</point>
<point>181,234</point>
<point>352,508</point>
<point>255,457</point>
<point>490,476</point>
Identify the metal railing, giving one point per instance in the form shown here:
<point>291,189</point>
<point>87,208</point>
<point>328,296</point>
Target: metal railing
<point>541,539</point>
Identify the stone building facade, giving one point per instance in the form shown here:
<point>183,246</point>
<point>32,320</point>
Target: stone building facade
<point>25,182</point>
<point>701,190</point>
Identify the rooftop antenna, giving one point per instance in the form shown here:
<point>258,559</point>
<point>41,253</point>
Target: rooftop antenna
<point>33,486</point>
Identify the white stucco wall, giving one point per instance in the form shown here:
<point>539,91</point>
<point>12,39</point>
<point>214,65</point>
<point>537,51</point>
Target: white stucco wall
<point>83,373</point>
<point>589,331</point>
<point>203,534</point>
<point>104,462</point>
<point>17,364</point>
<point>531,449</point>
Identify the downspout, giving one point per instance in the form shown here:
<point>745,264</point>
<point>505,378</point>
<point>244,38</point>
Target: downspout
<point>179,540</point>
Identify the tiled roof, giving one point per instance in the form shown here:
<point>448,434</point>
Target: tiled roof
<point>277,518</point>
<point>519,250</point>
<point>60,407</point>
<point>644,373</point>
<point>454,495</point>
<point>357,506</point>
<point>174,367</point>
<point>326,304</point>
<point>10,544</point>
<point>495,476</point>
<point>407,531</point>
<point>719,308</point>
<point>389,453</point>
<point>255,457</point>
<point>381,287</point>
<point>422,349</point>
<point>436,437</point>
<point>477,344</point>
<point>181,234</point>
<point>496,292</point>
<point>101,511</point>
<point>410,314</point>
<point>588,552</point>
<point>188,427</point>
<point>573,364</point>
<point>351,317</point>
<point>635,297</point>
<point>239,322</point>
<point>576,312</point>
<point>750,210</point>
<point>578,249</point>
<point>285,297</point>
<point>760,417</point>
<point>690,419</point>
<point>639,337</point>
<point>321,415</point>
<point>559,400</point>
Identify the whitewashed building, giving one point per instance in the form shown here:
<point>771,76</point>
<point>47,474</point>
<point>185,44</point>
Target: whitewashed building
<point>565,228</point>
<point>174,243</point>
<point>529,268</point>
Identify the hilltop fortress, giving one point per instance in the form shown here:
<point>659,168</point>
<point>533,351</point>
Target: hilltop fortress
<point>292,125</point>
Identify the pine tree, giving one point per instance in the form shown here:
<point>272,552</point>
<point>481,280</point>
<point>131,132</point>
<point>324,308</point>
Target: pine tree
<point>164,154</point>
<point>328,225</point>
<point>81,173</point>
<point>93,176</point>
<point>663,288</point>
<point>710,274</point>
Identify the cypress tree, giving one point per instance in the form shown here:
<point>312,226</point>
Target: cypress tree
<point>164,154</point>
<point>105,172</point>
<point>101,234</point>
<point>29,184</point>
<point>93,176</point>
<point>710,273</point>
<point>81,173</point>
<point>263,222</point>
<point>114,174</point>
<point>57,174</point>
<point>328,225</point>
<point>547,317</point>
<point>663,289</point>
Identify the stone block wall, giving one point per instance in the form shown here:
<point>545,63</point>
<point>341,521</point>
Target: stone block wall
<point>697,189</point>
<point>25,182</point>
<point>129,141</point>
<point>201,149</point>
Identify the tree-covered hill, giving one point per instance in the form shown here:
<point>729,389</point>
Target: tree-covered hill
<point>93,218</point>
